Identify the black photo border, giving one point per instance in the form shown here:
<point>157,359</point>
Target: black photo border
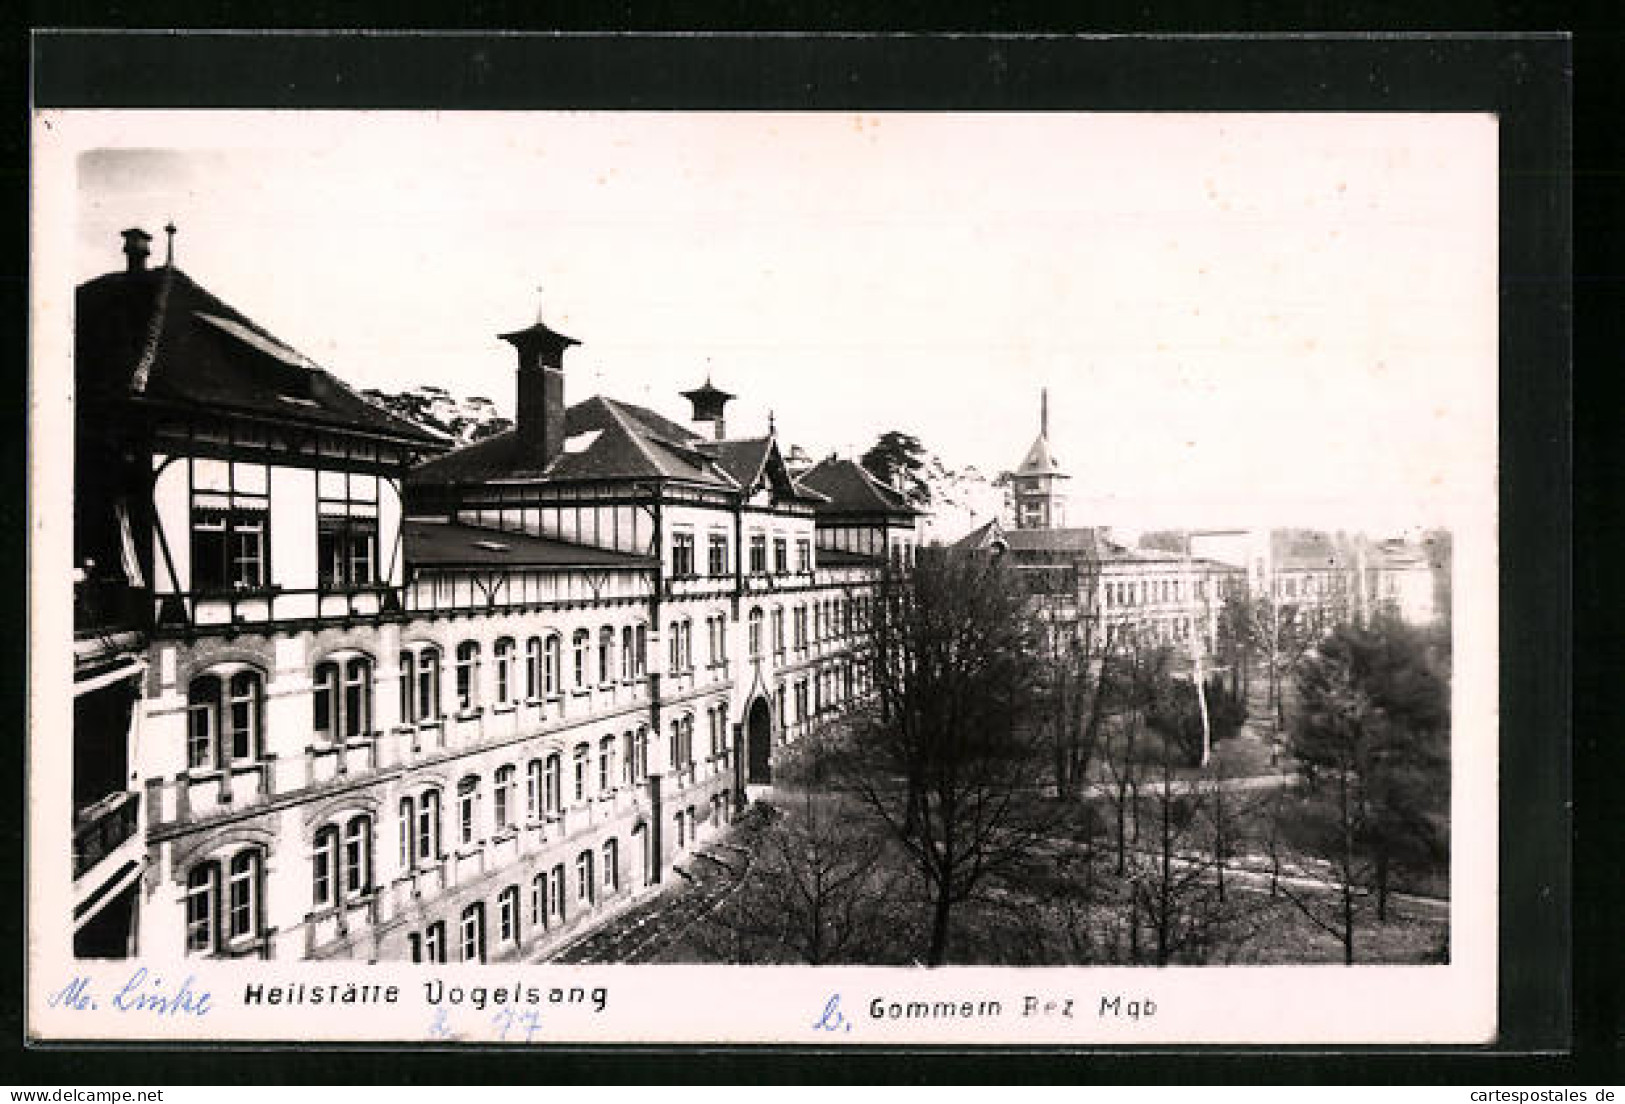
<point>1523,78</point>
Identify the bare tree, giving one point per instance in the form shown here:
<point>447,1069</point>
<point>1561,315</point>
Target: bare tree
<point>946,756</point>
<point>817,890</point>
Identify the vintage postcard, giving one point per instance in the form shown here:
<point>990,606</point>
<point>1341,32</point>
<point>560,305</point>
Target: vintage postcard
<point>735,577</point>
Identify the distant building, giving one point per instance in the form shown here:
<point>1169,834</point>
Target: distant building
<point>1037,496</point>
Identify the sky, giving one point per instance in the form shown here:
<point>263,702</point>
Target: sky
<point>1241,319</point>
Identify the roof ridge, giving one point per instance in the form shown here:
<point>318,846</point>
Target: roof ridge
<point>613,406</point>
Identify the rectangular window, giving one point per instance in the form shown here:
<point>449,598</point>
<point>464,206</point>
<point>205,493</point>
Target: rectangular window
<point>758,554</point>
<point>580,775</point>
<point>434,942</point>
<point>228,542</point>
<point>682,555</point>
<point>781,556</point>
<point>717,555</point>
<point>804,556</point>
<point>346,530</point>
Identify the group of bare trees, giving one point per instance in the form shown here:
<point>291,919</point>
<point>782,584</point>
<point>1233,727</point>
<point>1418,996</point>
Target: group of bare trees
<point>997,766</point>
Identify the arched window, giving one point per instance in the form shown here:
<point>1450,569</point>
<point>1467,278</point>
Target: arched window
<point>426,835</point>
<point>755,631</point>
<point>606,764</point>
<point>778,631</point>
<point>538,900</point>
<point>553,784</point>
<point>324,860</point>
<point>579,650</point>
<point>555,887</point>
<point>640,844</point>
<point>677,824</point>
<point>611,866</point>
<point>640,754</point>
<point>533,791</point>
<point>507,685</point>
<point>674,749</point>
<point>468,676</point>
<point>473,932</point>
<point>686,634</point>
<point>606,655</point>
<point>243,896</point>
<point>434,942</point>
<point>533,668</point>
<point>420,678</point>
<point>358,856</point>
<point>202,907</point>
<point>674,648</point>
<point>579,772</point>
<point>468,798</point>
<point>508,916</point>
<point>502,794</point>
<point>629,759</point>
<point>341,699</point>
<point>551,665</point>
<point>584,882</point>
<point>628,651</point>
<point>341,865</point>
<point>223,718</point>
<point>643,651</point>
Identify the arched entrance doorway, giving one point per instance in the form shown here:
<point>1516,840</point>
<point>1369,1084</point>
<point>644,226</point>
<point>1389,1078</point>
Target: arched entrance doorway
<point>759,745</point>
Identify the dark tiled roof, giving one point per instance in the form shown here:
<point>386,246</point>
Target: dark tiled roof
<point>849,489</point>
<point>630,443</point>
<point>158,333</point>
<point>449,544</point>
<point>983,536</point>
<point>743,460</point>
<point>1083,542</point>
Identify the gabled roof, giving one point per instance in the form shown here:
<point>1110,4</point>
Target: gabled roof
<point>743,460</point>
<point>983,537</point>
<point>451,544</point>
<point>1040,461</point>
<point>848,488</point>
<point>156,333</point>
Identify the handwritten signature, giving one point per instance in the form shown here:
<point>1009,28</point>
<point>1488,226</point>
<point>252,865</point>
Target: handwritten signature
<point>141,992</point>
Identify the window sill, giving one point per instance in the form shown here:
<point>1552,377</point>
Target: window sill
<point>470,714</point>
<point>504,707</point>
<point>581,693</point>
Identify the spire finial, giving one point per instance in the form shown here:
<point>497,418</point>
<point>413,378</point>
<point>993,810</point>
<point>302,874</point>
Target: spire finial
<point>538,304</point>
<point>771,428</point>
<point>1043,412</point>
<point>169,246</point>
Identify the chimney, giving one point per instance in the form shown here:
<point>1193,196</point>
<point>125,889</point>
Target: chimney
<point>541,390</point>
<point>136,249</point>
<point>708,407</point>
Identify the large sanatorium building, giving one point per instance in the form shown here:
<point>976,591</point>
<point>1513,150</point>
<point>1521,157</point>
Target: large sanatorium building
<point>340,692</point>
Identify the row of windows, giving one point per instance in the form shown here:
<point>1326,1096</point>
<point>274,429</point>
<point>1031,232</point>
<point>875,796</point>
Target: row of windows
<point>831,618</point>
<point>717,564</point>
<point>224,706</point>
<point>597,874</point>
<point>231,537</point>
<point>225,896</point>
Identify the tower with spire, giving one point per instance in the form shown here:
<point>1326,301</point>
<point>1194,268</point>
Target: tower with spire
<point>1040,502</point>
